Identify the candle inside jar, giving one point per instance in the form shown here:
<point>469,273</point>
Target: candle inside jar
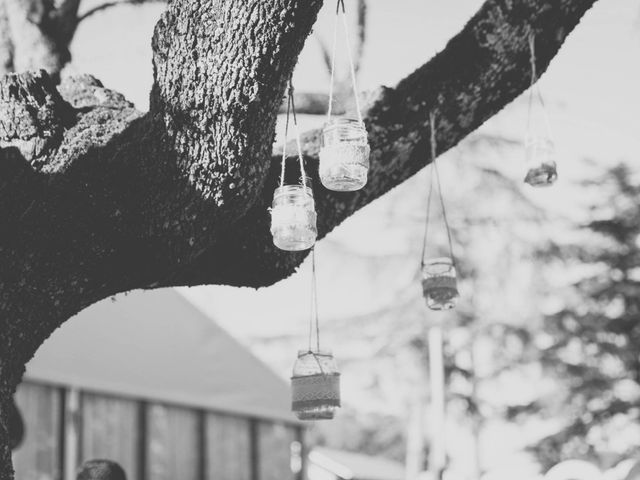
<point>440,293</point>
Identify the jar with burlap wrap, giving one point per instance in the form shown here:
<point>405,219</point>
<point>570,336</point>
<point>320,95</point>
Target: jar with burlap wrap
<point>315,385</point>
<point>439,283</point>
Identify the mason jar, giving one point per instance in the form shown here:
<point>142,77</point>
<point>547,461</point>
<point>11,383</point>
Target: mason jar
<point>439,284</point>
<point>540,153</point>
<point>344,155</point>
<point>293,218</point>
<point>315,385</point>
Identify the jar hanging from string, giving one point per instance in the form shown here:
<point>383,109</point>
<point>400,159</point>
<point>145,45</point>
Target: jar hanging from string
<point>344,151</point>
<point>293,214</point>
<point>439,280</point>
<point>315,381</point>
<point>538,143</point>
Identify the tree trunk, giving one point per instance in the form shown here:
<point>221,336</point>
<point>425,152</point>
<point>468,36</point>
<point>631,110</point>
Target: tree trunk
<point>96,198</point>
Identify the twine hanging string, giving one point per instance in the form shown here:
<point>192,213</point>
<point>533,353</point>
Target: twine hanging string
<point>284,141</point>
<point>352,68</point>
<point>434,172</point>
<point>534,87</point>
<point>314,317</point>
<point>291,111</point>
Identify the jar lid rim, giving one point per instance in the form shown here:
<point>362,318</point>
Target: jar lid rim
<point>334,121</point>
<point>320,353</point>
<point>437,260</point>
<point>285,188</point>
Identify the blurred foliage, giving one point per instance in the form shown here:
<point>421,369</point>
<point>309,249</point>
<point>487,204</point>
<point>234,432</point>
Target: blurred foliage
<point>595,347</point>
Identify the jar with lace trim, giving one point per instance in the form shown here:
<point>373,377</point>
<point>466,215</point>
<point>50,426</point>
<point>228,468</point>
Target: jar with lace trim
<point>315,385</point>
<point>344,155</point>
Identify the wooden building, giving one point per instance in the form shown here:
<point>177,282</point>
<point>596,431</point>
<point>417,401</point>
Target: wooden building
<point>149,381</point>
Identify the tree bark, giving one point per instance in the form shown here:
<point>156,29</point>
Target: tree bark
<point>96,198</point>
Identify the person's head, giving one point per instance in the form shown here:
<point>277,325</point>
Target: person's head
<point>101,470</point>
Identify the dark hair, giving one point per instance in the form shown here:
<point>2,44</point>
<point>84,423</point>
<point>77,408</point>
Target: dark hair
<point>101,470</point>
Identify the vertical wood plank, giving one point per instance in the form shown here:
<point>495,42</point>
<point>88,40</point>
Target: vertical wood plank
<point>110,431</point>
<point>172,446</point>
<point>228,448</point>
<point>62,431</point>
<point>254,449</point>
<point>275,451</point>
<point>38,457</point>
<point>143,438</point>
<point>202,445</point>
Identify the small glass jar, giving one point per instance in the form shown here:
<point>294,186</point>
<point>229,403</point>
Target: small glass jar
<point>293,218</point>
<point>315,386</point>
<point>439,284</point>
<point>344,155</point>
<point>540,153</point>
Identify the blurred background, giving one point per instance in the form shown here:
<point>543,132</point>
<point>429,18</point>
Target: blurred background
<point>541,357</point>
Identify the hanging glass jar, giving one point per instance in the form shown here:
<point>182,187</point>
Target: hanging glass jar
<point>540,153</point>
<point>344,151</point>
<point>538,145</point>
<point>344,155</point>
<point>293,211</point>
<point>315,381</point>
<point>315,385</point>
<point>439,283</point>
<point>293,217</point>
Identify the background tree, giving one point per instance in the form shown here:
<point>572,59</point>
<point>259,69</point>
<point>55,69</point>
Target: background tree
<point>593,343</point>
<point>97,198</point>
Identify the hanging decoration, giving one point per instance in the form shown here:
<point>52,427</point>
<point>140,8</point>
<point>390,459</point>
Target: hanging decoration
<point>315,382</point>
<point>539,147</point>
<point>344,153</point>
<point>293,214</point>
<point>439,283</point>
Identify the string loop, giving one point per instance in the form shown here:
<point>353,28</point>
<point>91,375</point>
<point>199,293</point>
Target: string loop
<point>314,318</point>
<point>432,173</point>
<point>291,111</point>
<point>534,90</point>
<point>354,86</point>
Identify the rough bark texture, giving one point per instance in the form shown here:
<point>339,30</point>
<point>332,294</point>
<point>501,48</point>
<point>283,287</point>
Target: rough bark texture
<point>96,198</point>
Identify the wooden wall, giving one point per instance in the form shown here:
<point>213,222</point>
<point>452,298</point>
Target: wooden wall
<point>228,448</point>
<point>172,444</point>
<point>109,430</point>
<point>39,456</point>
<point>151,441</point>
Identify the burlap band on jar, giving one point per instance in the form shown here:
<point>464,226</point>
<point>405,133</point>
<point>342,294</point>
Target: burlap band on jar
<point>313,391</point>
<point>436,282</point>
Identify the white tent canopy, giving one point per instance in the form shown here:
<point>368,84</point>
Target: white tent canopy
<point>157,346</point>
